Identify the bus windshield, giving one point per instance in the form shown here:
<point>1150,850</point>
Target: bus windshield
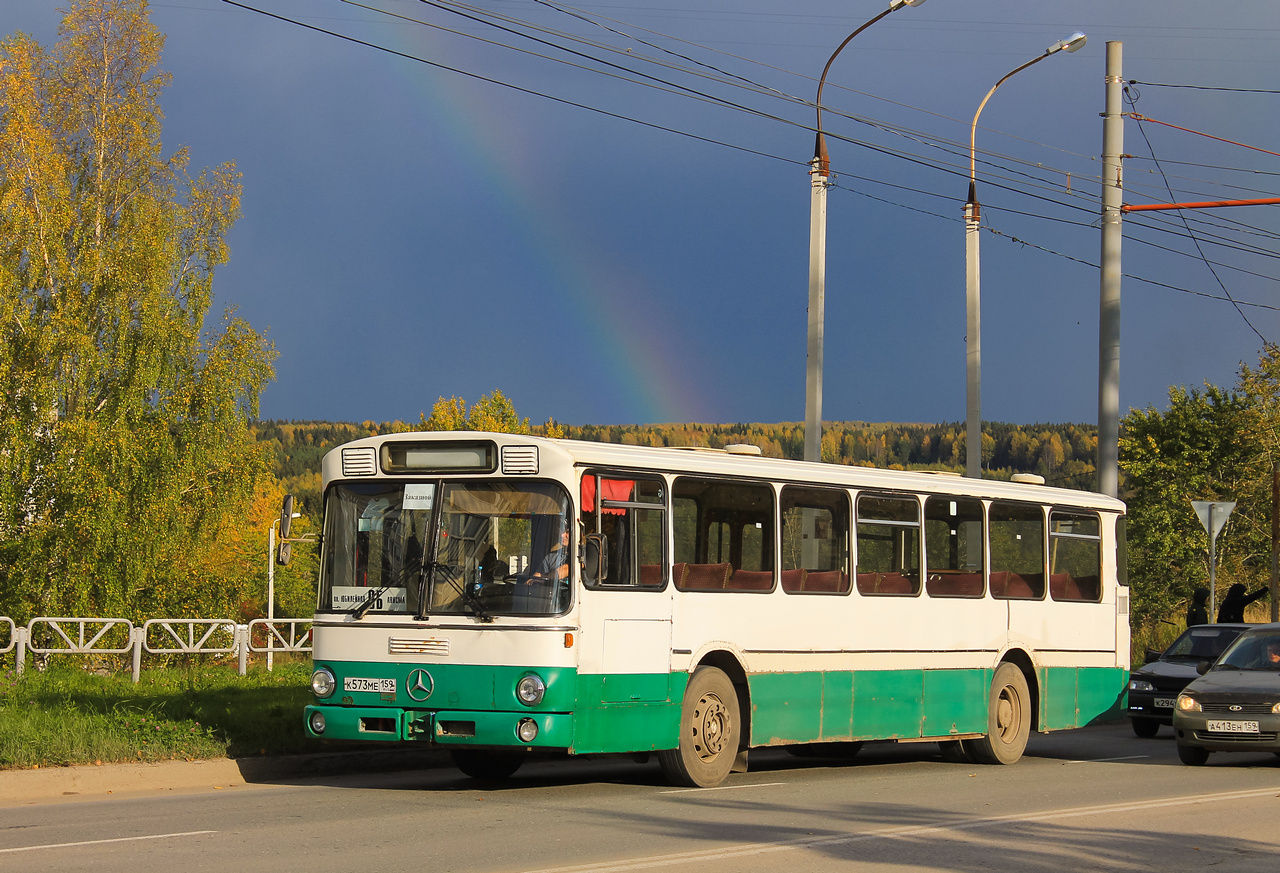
<point>471,548</point>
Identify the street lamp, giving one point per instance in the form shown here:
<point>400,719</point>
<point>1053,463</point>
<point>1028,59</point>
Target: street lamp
<point>973,323</point>
<point>819,172</point>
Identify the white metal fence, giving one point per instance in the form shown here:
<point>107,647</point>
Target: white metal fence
<point>158,636</point>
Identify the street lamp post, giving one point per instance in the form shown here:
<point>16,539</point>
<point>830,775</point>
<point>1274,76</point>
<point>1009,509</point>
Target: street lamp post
<point>973,309</point>
<point>819,174</point>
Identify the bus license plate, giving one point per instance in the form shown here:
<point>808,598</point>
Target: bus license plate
<point>1163,703</point>
<point>355,683</point>
<point>1233,727</point>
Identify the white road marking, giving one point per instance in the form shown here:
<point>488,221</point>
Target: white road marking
<point>1101,760</point>
<point>100,842</point>
<point>723,787</point>
<point>745,849</point>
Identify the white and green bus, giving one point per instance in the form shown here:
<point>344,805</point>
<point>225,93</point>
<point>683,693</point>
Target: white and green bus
<point>503,596</point>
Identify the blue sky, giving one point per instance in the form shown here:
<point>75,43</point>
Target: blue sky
<point>411,232</point>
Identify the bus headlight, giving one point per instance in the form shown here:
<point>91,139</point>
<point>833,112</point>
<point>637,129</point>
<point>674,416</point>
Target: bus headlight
<point>317,722</point>
<point>530,690</point>
<point>1187,703</point>
<point>323,683</point>
<point>527,730</point>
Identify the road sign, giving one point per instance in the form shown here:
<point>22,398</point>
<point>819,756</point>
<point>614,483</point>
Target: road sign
<point>1213,515</point>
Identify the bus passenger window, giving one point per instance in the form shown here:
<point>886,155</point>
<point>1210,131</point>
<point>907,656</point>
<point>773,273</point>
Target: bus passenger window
<point>888,544</point>
<point>629,513</point>
<point>815,540</point>
<point>724,535</point>
<point>953,543</point>
<point>1075,556</point>
<point>1017,550</point>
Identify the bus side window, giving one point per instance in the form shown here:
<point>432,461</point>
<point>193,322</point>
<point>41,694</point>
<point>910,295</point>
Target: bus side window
<point>815,540</point>
<point>1075,556</point>
<point>630,514</point>
<point>1017,550</point>
<point>954,549</point>
<point>724,534</point>
<point>888,544</point>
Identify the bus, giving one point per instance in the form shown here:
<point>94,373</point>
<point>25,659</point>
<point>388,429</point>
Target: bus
<point>505,596</point>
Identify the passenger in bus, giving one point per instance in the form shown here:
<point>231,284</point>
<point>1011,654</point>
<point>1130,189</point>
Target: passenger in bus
<point>1198,612</point>
<point>1232,609</point>
<point>491,568</point>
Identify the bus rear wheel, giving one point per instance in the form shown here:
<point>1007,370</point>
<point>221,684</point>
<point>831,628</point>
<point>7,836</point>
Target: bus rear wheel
<point>486,766</point>
<point>710,730</point>
<point>1008,719</point>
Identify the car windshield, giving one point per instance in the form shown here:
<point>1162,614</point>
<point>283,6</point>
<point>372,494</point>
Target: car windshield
<point>496,548</point>
<point>1254,651</point>
<point>1202,643</point>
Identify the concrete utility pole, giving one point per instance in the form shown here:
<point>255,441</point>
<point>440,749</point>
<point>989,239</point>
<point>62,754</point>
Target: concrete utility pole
<point>1109,285</point>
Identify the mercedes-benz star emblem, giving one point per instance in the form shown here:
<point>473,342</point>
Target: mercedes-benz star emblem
<point>419,685</point>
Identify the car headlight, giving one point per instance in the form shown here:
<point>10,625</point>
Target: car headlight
<point>1187,703</point>
<point>1141,685</point>
<point>530,689</point>
<point>1276,709</point>
<point>323,683</point>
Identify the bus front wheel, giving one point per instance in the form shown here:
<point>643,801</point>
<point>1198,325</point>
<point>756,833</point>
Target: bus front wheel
<point>710,730</point>
<point>486,766</point>
<point>1008,719</point>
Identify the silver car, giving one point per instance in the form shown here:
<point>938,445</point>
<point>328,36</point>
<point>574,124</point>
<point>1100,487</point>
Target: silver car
<point>1235,704</point>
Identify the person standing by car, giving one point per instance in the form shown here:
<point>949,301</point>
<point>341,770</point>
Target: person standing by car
<point>1232,609</point>
<point>1197,612</point>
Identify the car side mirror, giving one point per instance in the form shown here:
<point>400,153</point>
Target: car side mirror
<point>1152,655</point>
<point>596,560</point>
<point>1203,667</point>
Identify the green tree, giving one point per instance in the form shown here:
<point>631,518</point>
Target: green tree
<point>123,421</point>
<point>1199,449</point>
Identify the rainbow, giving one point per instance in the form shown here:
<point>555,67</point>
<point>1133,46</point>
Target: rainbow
<point>634,346</point>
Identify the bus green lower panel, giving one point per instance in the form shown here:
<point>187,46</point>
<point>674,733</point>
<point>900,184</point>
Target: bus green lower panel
<point>631,726</point>
<point>955,702</point>
<point>1076,696</point>
<point>785,708</point>
<point>343,723</point>
<point>888,704</point>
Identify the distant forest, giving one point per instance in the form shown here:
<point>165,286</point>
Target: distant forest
<point>1062,453</point>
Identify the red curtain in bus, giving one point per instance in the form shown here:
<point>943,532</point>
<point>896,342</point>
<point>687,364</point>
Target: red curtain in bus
<point>613,489</point>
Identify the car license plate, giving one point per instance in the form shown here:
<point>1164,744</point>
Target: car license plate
<point>1233,727</point>
<point>355,683</point>
<point>1163,703</point>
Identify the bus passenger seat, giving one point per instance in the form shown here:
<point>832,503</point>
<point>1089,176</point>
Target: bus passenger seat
<point>707,577</point>
<point>794,580</point>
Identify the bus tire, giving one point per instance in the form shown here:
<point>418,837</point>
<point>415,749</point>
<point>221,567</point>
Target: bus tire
<point>710,730</point>
<point>486,766</point>
<point>1008,719</point>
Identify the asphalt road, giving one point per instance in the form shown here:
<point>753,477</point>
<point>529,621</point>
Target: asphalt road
<point>1094,799</point>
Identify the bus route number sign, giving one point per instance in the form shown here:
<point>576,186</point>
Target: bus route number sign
<point>356,683</point>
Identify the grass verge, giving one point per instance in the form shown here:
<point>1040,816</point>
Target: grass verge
<point>67,715</point>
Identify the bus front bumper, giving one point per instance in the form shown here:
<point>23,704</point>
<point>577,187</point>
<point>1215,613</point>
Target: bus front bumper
<point>551,730</point>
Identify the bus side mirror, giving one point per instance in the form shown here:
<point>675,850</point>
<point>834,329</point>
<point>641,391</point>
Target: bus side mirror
<point>284,554</point>
<point>286,518</point>
<point>596,563</point>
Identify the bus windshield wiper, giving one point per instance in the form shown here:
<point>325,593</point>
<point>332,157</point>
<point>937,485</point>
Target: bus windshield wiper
<point>362,610</point>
